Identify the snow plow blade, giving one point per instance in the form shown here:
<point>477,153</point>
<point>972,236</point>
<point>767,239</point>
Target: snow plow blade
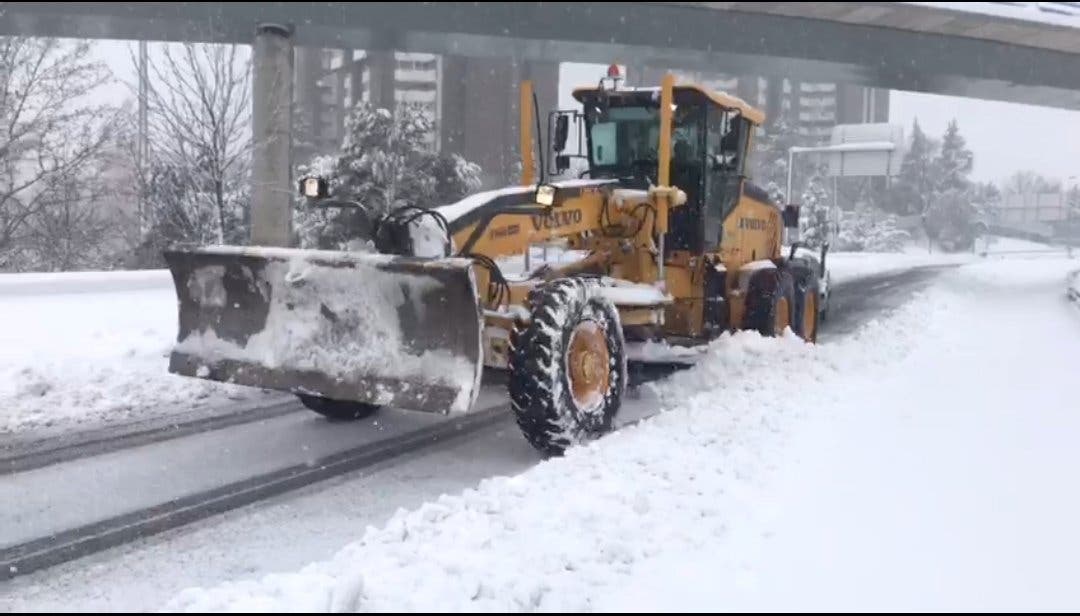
<point>386,330</point>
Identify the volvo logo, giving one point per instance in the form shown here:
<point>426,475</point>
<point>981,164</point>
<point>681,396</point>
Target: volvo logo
<point>753,224</point>
<point>556,219</point>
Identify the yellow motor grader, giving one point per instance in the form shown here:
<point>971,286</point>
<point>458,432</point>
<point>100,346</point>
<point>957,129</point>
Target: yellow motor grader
<point>662,241</point>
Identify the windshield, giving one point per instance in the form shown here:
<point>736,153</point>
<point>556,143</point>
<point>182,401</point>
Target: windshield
<point>626,143</point>
<point>630,134</point>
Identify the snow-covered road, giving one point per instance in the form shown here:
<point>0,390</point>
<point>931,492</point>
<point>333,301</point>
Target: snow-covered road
<point>146,574</point>
<point>83,350</point>
<point>916,462</point>
<point>922,463</point>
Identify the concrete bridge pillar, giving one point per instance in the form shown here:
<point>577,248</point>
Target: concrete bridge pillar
<point>271,176</point>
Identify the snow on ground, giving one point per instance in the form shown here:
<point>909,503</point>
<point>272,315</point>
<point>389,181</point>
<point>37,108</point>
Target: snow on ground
<point>85,348</point>
<point>80,349</point>
<point>941,485</point>
<point>279,535</point>
<point>1009,245</point>
<point>923,462</point>
<point>849,266</point>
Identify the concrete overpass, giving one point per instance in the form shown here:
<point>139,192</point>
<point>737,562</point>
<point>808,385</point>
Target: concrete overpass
<point>908,46</point>
<point>989,54</point>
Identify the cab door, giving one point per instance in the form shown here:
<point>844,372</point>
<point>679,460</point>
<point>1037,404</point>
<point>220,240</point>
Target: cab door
<point>726,139</point>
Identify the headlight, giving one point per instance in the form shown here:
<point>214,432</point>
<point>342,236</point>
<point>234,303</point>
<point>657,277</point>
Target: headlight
<point>545,195</point>
<point>313,187</point>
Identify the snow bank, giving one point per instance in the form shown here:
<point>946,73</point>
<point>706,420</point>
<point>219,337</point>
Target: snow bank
<point>849,266</point>
<point>559,534</point>
<point>72,356</point>
<point>922,476</point>
<point>995,245</point>
<point>1016,274</point>
<point>61,283</point>
<point>938,487</point>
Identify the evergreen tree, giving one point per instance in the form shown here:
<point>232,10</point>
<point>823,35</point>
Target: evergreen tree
<point>769,161</point>
<point>987,199</point>
<point>954,162</point>
<point>956,206</point>
<point>952,219</point>
<point>914,187</point>
<point>386,163</point>
<point>814,213</point>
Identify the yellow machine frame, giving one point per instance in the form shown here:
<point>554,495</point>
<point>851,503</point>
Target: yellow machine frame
<point>626,250</point>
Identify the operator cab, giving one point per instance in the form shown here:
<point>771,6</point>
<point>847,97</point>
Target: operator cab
<point>710,140</point>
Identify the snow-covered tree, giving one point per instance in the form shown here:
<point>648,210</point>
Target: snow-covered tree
<point>386,163</point>
<point>955,206</point>
<point>199,117</point>
<point>953,163</point>
<point>769,160</point>
<point>914,188</point>
<point>814,218</point>
<point>952,219</point>
<point>886,235</point>
<point>51,140</point>
<point>73,231</point>
<point>868,230</point>
<point>1029,183</point>
<point>987,198</point>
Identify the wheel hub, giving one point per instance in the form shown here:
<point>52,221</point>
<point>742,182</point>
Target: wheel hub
<point>588,365</point>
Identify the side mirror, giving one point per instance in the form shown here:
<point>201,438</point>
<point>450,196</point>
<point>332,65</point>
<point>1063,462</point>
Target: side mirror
<point>794,247</point>
<point>314,187</point>
<point>562,132</point>
<point>597,112</point>
<point>562,163</point>
<point>791,216</point>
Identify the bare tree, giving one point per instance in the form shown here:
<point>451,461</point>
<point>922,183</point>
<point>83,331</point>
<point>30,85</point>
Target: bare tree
<point>199,123</point>
<point>73,231</point>
<point>50,134</point>
<point>1029,182</point>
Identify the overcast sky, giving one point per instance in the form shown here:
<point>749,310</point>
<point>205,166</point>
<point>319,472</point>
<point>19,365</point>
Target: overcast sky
<point>1005,137</point>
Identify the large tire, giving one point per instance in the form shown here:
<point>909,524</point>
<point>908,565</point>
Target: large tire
<point>567,371</point>
<point>338,410</point>
<point>770,302</point>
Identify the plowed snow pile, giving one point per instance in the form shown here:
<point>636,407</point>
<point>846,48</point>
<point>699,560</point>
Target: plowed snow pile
<point>922,463</point>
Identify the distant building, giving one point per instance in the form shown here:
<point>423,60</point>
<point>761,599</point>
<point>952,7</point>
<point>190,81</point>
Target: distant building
<point>472,102</point>
<point>815,108</point>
